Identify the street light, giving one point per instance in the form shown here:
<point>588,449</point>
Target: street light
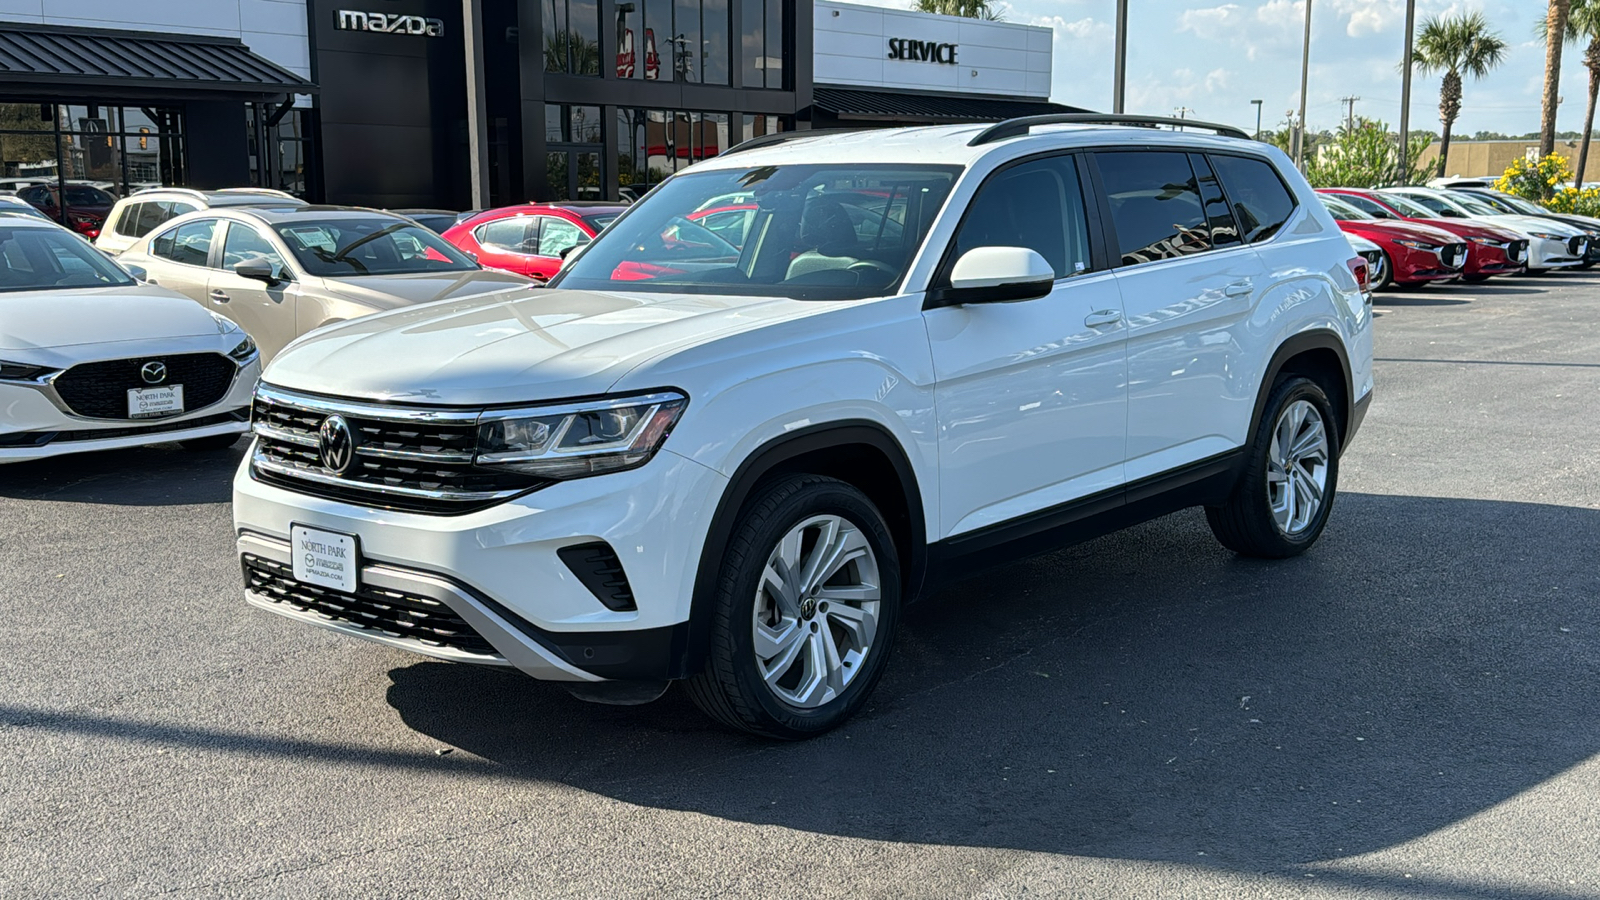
<point>1120,76</point>
<point>1258,118</point>
<point>1305,73</point>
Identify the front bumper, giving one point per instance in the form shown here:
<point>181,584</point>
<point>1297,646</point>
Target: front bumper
<point>499,568</point>
<point>35,425</point>
<point>1544,253</point>
<point>1414,266</point>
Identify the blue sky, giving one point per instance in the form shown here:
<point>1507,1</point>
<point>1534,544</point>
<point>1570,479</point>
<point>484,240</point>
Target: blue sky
<point>1215,57</point>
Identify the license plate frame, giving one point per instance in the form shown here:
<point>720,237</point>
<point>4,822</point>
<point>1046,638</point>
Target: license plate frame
<point>155,402</point>
<point>326,559</point>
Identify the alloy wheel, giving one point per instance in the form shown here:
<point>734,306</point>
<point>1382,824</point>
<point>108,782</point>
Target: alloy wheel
<point>1297,467</point>
<point>816,611</point>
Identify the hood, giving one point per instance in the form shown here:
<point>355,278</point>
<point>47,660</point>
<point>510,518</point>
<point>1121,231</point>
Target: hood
<point>34,320</point>
<point>520,348</point>
<point>1390,229</point>
<point>1527,224</point>
<point>1473,228</point>
<point>394,291</point>
<point>1583,223</point>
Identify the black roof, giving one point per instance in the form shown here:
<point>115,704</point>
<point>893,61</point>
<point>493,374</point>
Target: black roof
<point>912,107</point>
<point>52,60</point>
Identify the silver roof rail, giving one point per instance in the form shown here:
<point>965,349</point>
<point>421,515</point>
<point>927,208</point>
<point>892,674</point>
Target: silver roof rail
<point>170,190</point>
<point>782,137</point>
<point>1021,126</point>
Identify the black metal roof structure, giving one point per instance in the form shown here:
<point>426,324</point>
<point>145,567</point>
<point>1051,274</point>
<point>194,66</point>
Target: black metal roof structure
<point>912,107</point>
<point>57,61</point>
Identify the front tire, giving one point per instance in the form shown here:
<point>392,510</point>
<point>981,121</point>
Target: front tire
<point>1387,279</point>
<point>807,604</point>
<point>1282,500</point>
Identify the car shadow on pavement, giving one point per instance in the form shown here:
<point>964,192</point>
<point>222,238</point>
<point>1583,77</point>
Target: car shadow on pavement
<point>1147,696</point>
<point>159,475</point>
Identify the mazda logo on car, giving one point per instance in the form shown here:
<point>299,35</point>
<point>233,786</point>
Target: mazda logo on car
<point>153,372</point>
<point>336,445</point>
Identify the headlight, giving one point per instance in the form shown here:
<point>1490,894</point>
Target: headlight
<point>10,371</point>
<point>1548,236</point>
<point>1417,245</point>
<point>579,439</point>
<point>245,350</point>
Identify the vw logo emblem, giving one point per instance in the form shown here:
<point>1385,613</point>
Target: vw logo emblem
<point>153,372</point>
<point>336,445</point>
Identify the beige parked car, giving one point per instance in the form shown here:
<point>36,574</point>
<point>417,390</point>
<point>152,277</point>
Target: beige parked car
<point>280,273</point>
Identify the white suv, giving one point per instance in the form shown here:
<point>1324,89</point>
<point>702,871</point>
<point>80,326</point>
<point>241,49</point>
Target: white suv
<point>142,212</point>
<point>733,459</point>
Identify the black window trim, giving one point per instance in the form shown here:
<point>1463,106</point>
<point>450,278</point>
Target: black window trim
<point>1094,211</point>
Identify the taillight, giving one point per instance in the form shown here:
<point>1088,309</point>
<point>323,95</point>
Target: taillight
<point>1358,268</point>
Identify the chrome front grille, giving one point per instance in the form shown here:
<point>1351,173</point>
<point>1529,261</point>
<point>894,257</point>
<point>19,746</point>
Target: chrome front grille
<point>405,458</point>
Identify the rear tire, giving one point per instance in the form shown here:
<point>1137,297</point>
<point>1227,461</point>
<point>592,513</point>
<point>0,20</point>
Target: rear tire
<point>1388,273</point>
<point>1282,499</point>
<point>210,444</point>
<point>805,613</point>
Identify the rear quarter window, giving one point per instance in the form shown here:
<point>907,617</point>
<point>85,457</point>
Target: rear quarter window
<point>1261,202</point>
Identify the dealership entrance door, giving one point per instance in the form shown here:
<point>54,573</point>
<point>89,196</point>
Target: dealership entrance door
<point>574,171</point>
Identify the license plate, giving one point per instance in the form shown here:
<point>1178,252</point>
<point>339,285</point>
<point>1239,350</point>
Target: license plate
<point>157,401</point>
<point>325,558</point>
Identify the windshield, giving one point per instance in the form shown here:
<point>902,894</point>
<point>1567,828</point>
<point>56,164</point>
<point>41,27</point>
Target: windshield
<point>807,232</point>
<point>1475,206</point>
<point>1519,205</point>
<point>42,259</point>
<point>375,246</point>
<point>1406,207</point>
<point>1342,210</point>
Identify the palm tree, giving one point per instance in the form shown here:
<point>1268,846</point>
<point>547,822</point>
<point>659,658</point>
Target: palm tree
<point>967,9</point>
<point>1584,24</point>
<point>1456,45</point>
<point>1555,29</point>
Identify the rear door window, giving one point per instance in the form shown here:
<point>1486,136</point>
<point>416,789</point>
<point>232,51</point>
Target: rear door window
<point>1155,205</point>
<point>1261,202</point>
<point>189,243</point>
<point>1224,228</point>
<point>128,221</point>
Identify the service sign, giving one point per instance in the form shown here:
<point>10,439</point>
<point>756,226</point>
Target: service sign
<point>387,23</point>
<point>923,51</point>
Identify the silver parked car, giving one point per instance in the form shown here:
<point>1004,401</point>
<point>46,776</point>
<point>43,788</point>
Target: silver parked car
<point>280,273</point>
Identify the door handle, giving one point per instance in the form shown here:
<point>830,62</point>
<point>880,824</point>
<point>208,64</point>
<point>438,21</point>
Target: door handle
<point>1103,317</point>
<point>1238,289</point>
<point>220,296</point>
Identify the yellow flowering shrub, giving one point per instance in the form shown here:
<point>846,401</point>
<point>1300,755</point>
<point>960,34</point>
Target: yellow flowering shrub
<point>1538,180</point>
<point>1573,202</point>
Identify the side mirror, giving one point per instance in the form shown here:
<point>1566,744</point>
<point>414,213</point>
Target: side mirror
<point>257,269</point>
<point>996,275</point>
<point>139,273</point>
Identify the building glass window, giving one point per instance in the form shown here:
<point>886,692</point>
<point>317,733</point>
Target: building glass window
<point>73,161</point>
<point>761,46</point>
<point>651,144</point>
<point>674,40</point>
<point>279,152</point>
<point>572,36</point>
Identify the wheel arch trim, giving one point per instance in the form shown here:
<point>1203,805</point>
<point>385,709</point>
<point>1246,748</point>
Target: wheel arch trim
<point>1293,346</point>
<point>768,458</point>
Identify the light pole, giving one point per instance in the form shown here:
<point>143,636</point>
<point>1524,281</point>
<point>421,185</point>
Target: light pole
<point>1405,92</point>
<point>477,132</point>
<point>1258,118</point>
<point>1120,76</point>
<point>1305,72</point>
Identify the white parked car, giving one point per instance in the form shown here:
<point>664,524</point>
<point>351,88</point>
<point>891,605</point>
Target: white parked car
<point>92,360</point>
<point>142,212</point>
<point>1551,244</point>
<point>1373,254</point>
<point>936,348</point>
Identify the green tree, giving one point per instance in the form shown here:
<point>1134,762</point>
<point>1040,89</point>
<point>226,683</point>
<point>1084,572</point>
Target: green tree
<point>1456,45</point>
<point>1584,25</point>
<point>967,9</point>
<point>1366,156</point>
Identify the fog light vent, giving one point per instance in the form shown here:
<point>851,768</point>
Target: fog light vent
<point>598,567</point>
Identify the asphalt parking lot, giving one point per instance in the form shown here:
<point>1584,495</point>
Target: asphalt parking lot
<point>1411,710</point>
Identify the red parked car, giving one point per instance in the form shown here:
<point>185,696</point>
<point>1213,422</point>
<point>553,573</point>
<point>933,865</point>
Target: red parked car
<point>1494,250</point>
<point>533,238</point>
<point>1416,253</point>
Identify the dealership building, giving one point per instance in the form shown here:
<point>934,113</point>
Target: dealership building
<point>365,101</point>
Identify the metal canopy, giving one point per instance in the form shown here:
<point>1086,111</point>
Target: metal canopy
<point>47,60</point>
<point>908,106</point>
